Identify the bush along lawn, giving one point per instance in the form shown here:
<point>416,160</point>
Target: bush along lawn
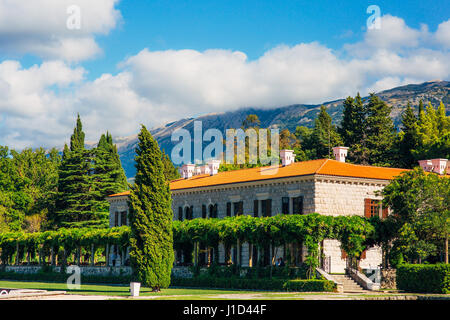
<point>424,278</point>
<point>62,277</point>
<point>313,285</point>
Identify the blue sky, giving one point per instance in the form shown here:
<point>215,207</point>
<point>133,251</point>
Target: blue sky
<point>251,26</point>
<point>158,61</point>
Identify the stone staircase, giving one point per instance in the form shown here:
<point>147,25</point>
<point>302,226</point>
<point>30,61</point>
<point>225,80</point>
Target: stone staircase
<point>350,285</point>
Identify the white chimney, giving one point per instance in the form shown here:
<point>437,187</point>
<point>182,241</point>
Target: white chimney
<point>340,153</point>
<point>213,167</point>
<point>187,170</point>
<point>205,169</point>
<point>426,165</point>
<point>287,157</point>
<point>439,165</point>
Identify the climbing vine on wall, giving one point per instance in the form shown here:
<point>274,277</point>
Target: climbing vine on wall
<point>354,232</point>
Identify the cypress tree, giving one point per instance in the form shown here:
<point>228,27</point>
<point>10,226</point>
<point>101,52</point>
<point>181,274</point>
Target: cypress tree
<point>325,136</point>
<point>407,139</point>
<point>151,217</point>
<point>380,132</point>
<point>170,172</point>
<point>76,199</point>
<point>352,129</point>
<point>109,176</point>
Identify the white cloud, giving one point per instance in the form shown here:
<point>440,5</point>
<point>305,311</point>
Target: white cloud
<point>39,27</point>
<point>443,33</point>
<point>39,104</point>
<point>393,34</point>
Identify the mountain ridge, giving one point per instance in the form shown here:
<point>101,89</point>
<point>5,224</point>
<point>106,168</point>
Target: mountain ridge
<point>288,117</point>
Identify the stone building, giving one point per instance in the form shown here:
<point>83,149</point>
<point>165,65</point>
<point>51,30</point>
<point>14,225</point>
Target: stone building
<point>325,186</point>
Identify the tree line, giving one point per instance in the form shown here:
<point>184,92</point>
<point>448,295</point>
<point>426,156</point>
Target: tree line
<point>46,190</point>
<point>369,132</point>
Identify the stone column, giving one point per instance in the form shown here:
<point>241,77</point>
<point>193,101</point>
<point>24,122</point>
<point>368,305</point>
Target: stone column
<point>238,252</point>
<point>195,253</point>
<point>17,254</point>
<point>52,250</point>
<point>107,255</point>
<point>92,255</point>
<point>79,255</point>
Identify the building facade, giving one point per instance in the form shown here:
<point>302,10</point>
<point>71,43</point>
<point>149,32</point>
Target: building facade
<point>325,186</point>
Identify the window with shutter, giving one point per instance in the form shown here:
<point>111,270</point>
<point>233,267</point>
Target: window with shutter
<point>385,213</point>
<point>180,213</point>
<point>228,209</point>
<point>116,219</point>
<point>123,218</point>
<point>372,208</point>
<point>285,205</point>
<point>297,204</point>
<point>203,211</point>
<point>255,208</point>
<point>238,208</point>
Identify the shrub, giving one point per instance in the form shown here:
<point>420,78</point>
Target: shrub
<point>255,284</point>
<point>62,278</point>
<point>309,285</point>
<point>432,278</point>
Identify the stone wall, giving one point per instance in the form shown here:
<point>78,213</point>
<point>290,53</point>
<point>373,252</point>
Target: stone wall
<point>331,248</point>
<point>344,196</point>
<point>388,279</point>
<point>246,193</point>
<point>85,270</point>
<point>182,272</point>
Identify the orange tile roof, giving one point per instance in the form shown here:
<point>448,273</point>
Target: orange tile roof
<point>322,166</point>
<point>125,193</point>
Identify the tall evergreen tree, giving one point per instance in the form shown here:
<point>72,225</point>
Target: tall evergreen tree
<point>77,204</point>
<point>151,217</point>
<point>380,131</point>
<point>406,140</point>
<point>352,129</point>
<point>109,176</point>
<point>421,110</point>
<point>325,136</point>
<point>170,172</point>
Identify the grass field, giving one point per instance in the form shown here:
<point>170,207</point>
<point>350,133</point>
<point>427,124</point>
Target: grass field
<point>122,292</point>
<point>112,290</point>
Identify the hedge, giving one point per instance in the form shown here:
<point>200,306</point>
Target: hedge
<point>256,284</point>
<point>309,285</point>
<point>62,278</point>
<point>424,278</point>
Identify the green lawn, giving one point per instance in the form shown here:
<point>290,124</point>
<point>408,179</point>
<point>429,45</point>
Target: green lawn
<point>112,290</point>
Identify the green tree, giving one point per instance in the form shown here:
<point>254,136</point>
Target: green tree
<point>420,204</point>
<point>353,129</point>
<point>151,217</point>
<point>109,176</point>
<point>170,172</point>
<point>407,139</point>
<point>433,134</point>
<point>380,132</point>
<point>324,136</point>
<point>77,199</point>
<point>251,121</point>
